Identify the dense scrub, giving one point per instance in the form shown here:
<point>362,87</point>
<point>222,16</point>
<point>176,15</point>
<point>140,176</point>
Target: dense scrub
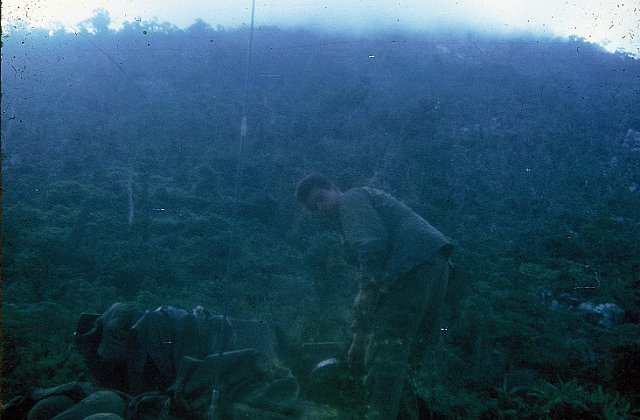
<point>119,163</point>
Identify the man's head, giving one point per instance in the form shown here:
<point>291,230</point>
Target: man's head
<point>319,194</point>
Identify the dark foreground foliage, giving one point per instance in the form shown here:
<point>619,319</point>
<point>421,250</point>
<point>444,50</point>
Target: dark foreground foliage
<point>120,152</point>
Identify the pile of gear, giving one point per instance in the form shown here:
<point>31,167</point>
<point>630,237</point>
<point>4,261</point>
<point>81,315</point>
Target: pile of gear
<point>168,363</point>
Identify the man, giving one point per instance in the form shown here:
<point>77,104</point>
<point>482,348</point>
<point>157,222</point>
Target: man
<point>403,274</point>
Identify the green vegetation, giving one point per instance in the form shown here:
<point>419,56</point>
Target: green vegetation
<point>118,185</point>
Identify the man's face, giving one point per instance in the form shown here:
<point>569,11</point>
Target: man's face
<point>323,201</point>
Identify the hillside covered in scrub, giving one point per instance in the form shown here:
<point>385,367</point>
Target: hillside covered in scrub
<point>120,157</point>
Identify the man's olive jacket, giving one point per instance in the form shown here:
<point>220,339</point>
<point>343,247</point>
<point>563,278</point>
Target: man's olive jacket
<point>387,237</point>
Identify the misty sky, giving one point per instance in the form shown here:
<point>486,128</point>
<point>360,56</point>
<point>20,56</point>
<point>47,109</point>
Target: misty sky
<point>614,24</point>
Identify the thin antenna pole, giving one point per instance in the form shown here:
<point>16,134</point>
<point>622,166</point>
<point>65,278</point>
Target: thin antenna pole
<point>223,335</point>
<point>240,162</point>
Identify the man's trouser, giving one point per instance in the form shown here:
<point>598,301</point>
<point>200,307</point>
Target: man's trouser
<point>405,319</point>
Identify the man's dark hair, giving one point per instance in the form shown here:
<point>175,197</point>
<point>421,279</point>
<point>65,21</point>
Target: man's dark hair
<point>310,182</point>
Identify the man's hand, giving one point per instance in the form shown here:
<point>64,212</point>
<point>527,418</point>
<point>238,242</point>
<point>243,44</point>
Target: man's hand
<point>357,349</point>
<point>364,306</point>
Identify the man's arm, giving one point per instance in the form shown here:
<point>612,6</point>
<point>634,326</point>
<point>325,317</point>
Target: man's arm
<point>367,236</point>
